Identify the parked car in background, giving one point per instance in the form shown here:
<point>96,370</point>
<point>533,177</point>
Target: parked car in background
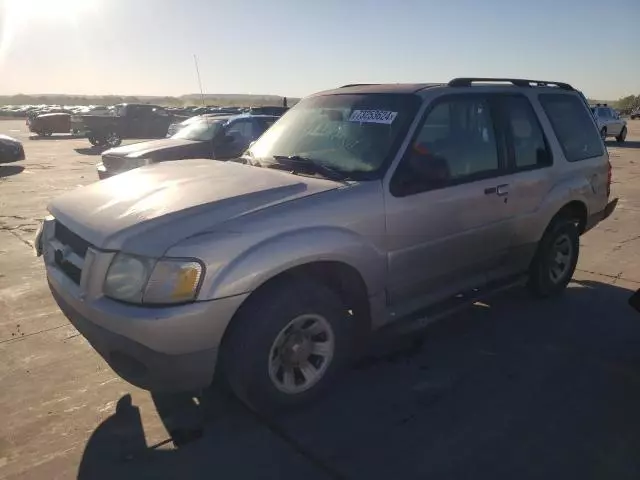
<point>49,123</point>
<point>11,150</point>
<point>176,127</point>
<point>362,207</point>
<point>635,113</point>
<point>609,122</point>
<point>129,121</point>
<point>277,111</point>
<point>207,136</point>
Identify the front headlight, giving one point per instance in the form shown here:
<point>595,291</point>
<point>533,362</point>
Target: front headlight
<point>127,276</point>
<point>140,162</point>
<point>143,280</point>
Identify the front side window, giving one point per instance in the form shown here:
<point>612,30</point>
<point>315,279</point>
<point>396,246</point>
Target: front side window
<point>241,129</point>
<point>530,148</point>
<point>456,144</point>
<point>355,134</point>
<point>573,126</point>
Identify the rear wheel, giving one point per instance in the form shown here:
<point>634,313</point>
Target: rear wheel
<point>623,136</point>
<point>556,258</point>
<point>96,142</point>
<point>286,345</point>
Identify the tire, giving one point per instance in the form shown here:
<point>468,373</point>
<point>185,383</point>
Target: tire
<point>96,142</point>
<point>603,134</point>
<point>113,139</point>
<point>623,135</point>
<point>547,277</point>
<point>255,356</point>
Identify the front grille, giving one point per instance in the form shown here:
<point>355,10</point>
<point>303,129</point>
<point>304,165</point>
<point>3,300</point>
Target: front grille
<point>111,162</point>
<point>73,272</point>
<point>67,237</point>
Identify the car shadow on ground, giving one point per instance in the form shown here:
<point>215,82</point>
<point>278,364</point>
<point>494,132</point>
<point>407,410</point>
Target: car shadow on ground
<point>91,150</point>
<point>513,388</point>
<point>10,170</point>
<point>625,144</point>
<point>62,136</point>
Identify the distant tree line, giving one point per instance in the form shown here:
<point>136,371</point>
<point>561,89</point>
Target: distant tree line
<point>628,103</point>
<point>167,101</point>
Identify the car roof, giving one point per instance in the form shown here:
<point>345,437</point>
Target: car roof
<point>381,88</point>
<point>463,82</point>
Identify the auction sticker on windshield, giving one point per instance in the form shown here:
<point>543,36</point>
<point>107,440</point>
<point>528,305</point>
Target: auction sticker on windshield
<point>373,116</point>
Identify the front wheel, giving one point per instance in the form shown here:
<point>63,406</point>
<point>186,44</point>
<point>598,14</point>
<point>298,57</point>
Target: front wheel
<point>623,136</point>
<point>556,258</point>
<point>113,139</point>
<point>603,134</point>
<point>286,345</point>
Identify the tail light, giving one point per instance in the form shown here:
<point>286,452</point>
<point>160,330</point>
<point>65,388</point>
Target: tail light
<point>609,176</point>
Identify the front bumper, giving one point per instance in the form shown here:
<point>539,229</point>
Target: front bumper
<point>11,153</point>
<point>169,349</point>
<point>596,218</point>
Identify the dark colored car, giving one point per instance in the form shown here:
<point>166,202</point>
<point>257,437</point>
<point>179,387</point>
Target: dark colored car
<point>215,137</point>
<point>635,113</point>
<point>11,150</point>
<point>49,123</point>
<point>277,111</point>
<point>130,121</point>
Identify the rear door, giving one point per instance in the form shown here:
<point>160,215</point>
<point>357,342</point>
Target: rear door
<point>446,209</point>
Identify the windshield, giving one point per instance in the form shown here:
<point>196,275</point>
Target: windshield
<point>203,130</point>
<point>354,134</point>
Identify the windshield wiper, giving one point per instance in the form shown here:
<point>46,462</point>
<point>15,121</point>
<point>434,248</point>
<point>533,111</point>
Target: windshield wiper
<point>313,165</point>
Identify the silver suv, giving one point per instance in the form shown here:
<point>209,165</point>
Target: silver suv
<point>358,209</point>
<point>609,122</point>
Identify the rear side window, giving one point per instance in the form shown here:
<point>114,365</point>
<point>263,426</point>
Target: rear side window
<point>573,126</point>
<point>528,145</point>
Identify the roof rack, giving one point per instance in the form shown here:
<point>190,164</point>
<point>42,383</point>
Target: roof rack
<point>357,85</point>
<point>518,82</point>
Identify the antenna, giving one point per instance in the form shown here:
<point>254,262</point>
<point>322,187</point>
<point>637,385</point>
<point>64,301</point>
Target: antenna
<point>195,59</point>
<point>206,119</point>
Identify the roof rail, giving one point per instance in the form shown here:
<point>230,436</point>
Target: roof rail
<point>357,85</point>
<point>518,82</point>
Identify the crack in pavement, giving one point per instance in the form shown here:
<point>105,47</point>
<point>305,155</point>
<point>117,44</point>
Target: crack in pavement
<point>615,277</point>
<point>22,337</point>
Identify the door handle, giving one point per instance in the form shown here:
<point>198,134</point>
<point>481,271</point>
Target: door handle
<point>502,190</point>
<point>490,190</point>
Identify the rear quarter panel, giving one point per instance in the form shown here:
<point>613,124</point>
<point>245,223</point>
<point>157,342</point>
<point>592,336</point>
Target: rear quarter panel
<point>584,181</point>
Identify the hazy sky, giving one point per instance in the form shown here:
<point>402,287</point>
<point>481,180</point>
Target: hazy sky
<point>296,47</point>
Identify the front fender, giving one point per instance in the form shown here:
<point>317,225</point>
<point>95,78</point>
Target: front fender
<point>274,255</point>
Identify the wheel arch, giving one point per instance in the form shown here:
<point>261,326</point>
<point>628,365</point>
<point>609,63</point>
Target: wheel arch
<point>339,277</point>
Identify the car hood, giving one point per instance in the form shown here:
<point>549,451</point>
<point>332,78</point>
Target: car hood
<point>144,148</point>
<point>150,209</point>
<point>8,139</point>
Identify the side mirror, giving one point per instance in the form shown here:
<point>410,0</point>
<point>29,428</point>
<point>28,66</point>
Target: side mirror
<point>227,139</point>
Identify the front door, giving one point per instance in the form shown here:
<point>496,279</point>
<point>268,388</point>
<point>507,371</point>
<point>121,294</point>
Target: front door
<point>447,205</point>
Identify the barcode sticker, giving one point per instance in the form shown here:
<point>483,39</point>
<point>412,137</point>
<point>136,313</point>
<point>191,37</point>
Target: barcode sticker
<point>373,116</point>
